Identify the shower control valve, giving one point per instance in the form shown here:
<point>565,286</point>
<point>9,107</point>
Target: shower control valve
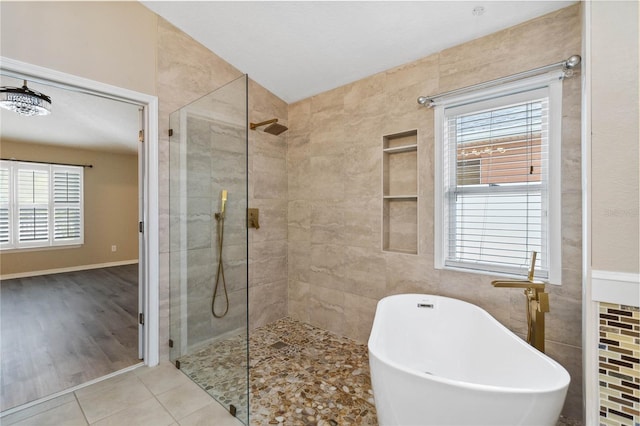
<point>253,218</point>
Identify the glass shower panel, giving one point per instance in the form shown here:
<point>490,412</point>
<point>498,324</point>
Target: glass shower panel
<point>208,244</point>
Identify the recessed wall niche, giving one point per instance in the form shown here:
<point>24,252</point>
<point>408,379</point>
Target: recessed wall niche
<point>400,192</point>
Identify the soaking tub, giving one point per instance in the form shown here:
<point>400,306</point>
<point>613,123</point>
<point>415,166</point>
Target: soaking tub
<point>441,361</point>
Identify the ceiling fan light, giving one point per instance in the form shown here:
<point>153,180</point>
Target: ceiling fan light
<point>24,101</point>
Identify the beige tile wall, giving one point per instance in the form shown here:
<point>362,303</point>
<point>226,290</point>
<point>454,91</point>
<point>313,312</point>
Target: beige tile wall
<point>337,270</point>
<point>186,71</point>
<point>267,192</point>
<point>207,156</point>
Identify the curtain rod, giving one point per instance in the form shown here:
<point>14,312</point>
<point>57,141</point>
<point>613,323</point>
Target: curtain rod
<point>90,166</point>
<point>567,66</point>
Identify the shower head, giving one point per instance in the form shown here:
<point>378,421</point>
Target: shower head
<point>274,128</point>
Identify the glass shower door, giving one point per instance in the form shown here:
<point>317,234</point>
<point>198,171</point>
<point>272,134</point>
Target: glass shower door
<point>208,244</point>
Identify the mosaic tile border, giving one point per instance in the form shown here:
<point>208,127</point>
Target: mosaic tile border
<point>619,365</point>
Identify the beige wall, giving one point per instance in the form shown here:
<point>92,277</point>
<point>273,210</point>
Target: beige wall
<point>113,43</point>
<point>615,138</point>
<point>615,175</point>
<point>268,300</point>
<point>187,71</point>
<point>337,270</point>
<point>110,209</point>
<point>88,39</point>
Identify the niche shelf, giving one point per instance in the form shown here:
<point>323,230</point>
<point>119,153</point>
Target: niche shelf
<point>400,192</point>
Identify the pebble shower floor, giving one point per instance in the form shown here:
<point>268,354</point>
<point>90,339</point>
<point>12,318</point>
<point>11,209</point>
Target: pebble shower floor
<point>299,375</point>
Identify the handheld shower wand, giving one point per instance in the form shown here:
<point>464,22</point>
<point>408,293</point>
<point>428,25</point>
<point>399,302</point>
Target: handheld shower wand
<point>224,201</point>
<point>220,274</point>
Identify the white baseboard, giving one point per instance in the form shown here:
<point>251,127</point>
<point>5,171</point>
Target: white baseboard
<point>68,269</point>
<point>621,288</point>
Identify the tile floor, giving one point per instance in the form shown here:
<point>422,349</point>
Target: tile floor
<point>159,396</point>
<point>299,375</point>
<point>220,368</point>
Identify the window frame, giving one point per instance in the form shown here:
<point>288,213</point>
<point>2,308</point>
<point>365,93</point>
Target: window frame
<point>14,244</point>
<point>524,89</point>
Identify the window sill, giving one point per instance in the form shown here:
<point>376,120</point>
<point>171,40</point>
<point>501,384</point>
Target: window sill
<point>494,274</point>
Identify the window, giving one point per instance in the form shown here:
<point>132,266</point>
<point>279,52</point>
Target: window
<point>497,179</point>
<point>40,205</point>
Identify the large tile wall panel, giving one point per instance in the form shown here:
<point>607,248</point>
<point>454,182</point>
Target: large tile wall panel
<point>186,71</point>
<point>337,270</point>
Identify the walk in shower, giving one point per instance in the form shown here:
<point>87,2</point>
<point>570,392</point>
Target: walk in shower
<point>208,244</point>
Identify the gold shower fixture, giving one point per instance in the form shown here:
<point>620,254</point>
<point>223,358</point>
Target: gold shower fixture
<point>273,126</point>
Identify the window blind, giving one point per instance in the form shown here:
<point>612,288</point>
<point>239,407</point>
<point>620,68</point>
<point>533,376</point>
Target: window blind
<point>5,212</point>
<point>40,205</point>
<point>496,168</point>
<point>33,205</point>
<point>67,197</point>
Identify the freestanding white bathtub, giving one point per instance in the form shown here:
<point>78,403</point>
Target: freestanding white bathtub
<point>441,361</point>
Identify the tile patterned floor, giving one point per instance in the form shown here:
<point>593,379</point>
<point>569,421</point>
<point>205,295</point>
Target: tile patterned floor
<point>299,375</point>
<point>158,396</point>
<point>315,378</point>
<point>221,369</point>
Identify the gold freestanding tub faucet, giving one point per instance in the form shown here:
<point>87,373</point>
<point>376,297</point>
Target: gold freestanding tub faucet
<point>537,304</point>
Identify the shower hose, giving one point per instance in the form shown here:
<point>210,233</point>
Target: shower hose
<point>220,273</point>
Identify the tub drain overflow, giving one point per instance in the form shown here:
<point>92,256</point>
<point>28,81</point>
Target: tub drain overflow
<point>425,305</point>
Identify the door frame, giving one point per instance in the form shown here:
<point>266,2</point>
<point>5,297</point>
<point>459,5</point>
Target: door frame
<point>149,288</point>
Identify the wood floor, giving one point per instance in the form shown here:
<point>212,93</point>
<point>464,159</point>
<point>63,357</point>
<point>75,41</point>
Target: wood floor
<point>62,330</point>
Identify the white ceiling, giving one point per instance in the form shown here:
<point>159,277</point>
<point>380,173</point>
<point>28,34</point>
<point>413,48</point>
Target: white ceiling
<point>297,49</point>
<point>77,120</point>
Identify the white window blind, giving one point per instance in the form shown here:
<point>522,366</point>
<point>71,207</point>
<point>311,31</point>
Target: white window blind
<point>33,204</point>
<point>5,212</point>
<point>40,205</point>
<point>496,173</point>
<point>67,197</point>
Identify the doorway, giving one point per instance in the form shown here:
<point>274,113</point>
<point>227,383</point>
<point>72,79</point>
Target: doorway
<point>120,272</point>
